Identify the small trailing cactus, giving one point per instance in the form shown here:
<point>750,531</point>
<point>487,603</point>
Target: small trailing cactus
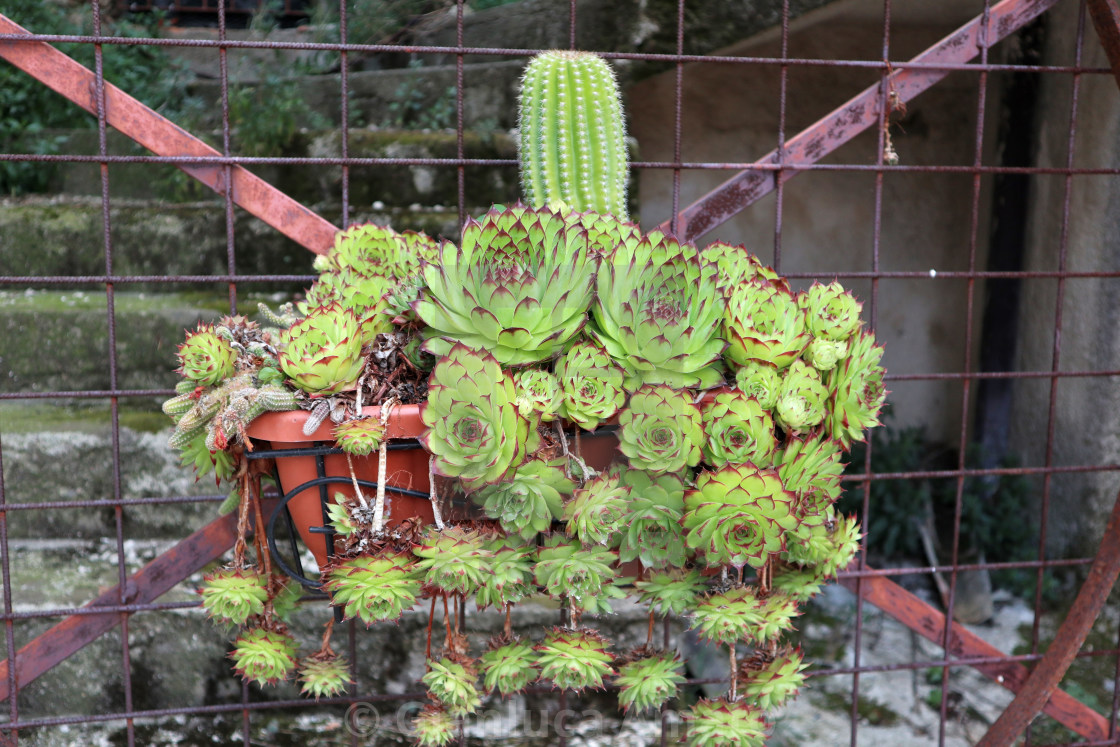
<point>572,137</point>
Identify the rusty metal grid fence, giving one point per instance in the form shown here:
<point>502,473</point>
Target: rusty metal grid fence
<point>793,154</point>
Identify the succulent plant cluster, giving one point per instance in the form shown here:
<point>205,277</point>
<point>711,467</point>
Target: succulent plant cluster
<point>727,401</point>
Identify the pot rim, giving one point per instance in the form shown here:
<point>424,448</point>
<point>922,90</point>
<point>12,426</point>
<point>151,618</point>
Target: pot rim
<point>287,427</point>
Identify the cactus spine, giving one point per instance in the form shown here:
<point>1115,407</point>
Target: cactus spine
<point>573,143</point>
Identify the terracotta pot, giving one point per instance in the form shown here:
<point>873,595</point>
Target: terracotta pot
<point>405,468</point>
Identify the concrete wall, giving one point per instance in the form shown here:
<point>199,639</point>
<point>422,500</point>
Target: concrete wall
<point>1087,413</point>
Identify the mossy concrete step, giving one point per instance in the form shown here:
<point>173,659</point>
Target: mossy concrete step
<point>59,340</point>
<point>382,98</point>
<point>48,461</point>
<point>64,236</point>
<point>399,186</point>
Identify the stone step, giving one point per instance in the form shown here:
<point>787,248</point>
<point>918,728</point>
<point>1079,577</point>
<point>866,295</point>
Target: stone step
<point>48,461</point>
<point>397,186</point>
<point>59,340</point>
<point>64,236</point>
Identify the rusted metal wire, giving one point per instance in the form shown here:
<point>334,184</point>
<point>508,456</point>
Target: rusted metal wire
<point>138,593</point>
<point>858,114</point>
<point>1040,690</point>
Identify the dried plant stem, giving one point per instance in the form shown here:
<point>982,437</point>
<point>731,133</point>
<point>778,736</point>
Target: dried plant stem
<point>649,633</point>
<point>446,624</point>
<point>432,495</point>
<point>734,665</point>
<point>766,575</point>
<point>259,533</point>
<point>431,620</point>
<point>509,620</point>
<point>242,523</point>
<point>354,479</point>
<point>326,646</point>
<point>382,456</point>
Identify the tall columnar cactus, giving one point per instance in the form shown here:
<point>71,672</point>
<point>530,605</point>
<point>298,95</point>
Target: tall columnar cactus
<point>573,141</point>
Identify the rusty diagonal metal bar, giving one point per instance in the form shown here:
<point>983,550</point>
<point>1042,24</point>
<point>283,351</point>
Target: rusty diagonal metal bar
<point>850,119</point>
<point>163,137</point>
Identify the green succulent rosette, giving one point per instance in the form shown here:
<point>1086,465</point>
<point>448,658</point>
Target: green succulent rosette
<point>823,354</point>
<point>509,576</point>
<point>831,312</point>
<point>509,668</point>
<point>737,265</point>
<point>453,684</point>
<point>845,539</point>
<point>855,391</point>
<point>738,429</point>
<point>369,249</point>
<point>658,311</point>
<point>359,437</point>
<point>648,682</point>
<point>728,617</point>
<point>739,515</point>
<point>604,231</point>
<point>574,659</point>
<point>802,584</point>
<point>528,501</point>
<point>652,531</point>
<point>764,323</point>
<point>205,358</point>
<point>718,723</point>
<point>771,681</point>
<point>811,543</point>
<point>518,285</point>
<point>671,593</point>
<point>760,381</point>
<point>660,430</point>
<point>433,727</point>
<point>538,394</point>
<point>324,674</point>
<point>264,655</point>
<point>802,403</point>
<point>595,512</point>
<point>827,546</point>
<point>366,296</point>
<point>322,353</point>
<point>232,595</point>
<point>475,431</point>
<point>583,576</point>
<point>455,560</point>
<point>373,588</point>
<point>590,385</point>
<point>811,468</point>
<point>777,611</point>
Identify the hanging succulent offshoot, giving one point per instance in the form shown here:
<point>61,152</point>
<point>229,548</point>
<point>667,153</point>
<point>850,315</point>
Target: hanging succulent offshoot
<point>648,682</point>
<point>508,667</point>
<point>572,137</point>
